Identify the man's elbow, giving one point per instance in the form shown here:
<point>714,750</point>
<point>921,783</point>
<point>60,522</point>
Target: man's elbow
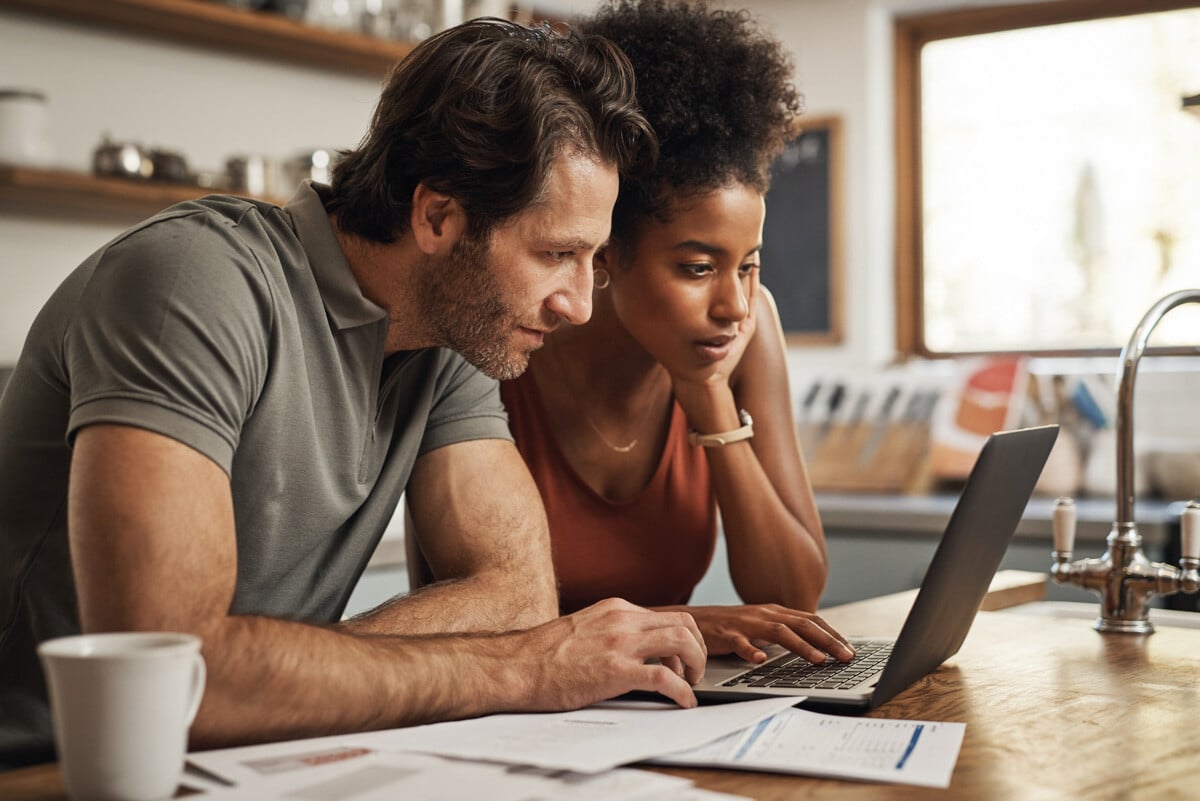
<point>539,604</point>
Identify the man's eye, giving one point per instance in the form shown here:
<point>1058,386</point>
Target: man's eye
<point>561,255</point>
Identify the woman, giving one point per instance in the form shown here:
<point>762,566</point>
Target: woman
<point>684,342</point>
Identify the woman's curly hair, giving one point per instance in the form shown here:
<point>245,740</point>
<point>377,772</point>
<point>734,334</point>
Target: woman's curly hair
<point>717,90</point>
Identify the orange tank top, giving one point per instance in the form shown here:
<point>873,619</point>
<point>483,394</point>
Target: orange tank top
<point>651,550</point>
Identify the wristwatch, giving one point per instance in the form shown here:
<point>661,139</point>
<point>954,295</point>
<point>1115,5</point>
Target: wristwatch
<point>726,437</point>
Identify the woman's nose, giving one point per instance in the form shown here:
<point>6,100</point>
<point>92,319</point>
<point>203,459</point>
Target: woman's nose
<point>731,301</point>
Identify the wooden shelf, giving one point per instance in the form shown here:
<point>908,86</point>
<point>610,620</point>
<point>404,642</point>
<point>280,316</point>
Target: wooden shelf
<point>63,194</point>
<point>206,23</point>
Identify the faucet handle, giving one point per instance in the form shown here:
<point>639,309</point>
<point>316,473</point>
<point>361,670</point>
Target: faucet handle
<point>1189,545</point>
<point>1065,516</point>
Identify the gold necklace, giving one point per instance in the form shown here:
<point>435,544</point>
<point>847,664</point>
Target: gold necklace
<point>595,428</point>
<point>621,448</point>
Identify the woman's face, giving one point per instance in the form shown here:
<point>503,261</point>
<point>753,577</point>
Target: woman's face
<point>683,288</point>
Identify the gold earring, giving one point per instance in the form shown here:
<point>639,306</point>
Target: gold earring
<point>601,278</point>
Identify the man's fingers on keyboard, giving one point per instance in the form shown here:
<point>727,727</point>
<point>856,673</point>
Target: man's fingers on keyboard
<point>674,663</point>
<point>660,679</point>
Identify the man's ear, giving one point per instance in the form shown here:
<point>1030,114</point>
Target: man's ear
<point>437,220</point>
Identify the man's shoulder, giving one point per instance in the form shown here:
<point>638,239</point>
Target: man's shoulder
<point>445,375</point>
<point>214,233</point>
<point>247,220</point>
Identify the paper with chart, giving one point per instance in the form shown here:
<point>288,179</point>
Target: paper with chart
<point>380,776</point>
<point>590,740</point>
<point>587,740</point>
<point>335,769</point>
<point>811,744</point>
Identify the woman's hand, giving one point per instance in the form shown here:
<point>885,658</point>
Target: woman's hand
<point>745,630</point>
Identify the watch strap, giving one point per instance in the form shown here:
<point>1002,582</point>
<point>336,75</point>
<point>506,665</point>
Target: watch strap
<point>725,437</point>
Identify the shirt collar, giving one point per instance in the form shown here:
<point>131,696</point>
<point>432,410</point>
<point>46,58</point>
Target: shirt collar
<point>343,299</point>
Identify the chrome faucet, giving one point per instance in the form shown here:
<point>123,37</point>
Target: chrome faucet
<point>1123,577</point>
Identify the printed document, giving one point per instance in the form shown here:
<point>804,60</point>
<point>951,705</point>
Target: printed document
<point>312,770</point>
<point>376,776</point>
<point>588,740</point>
<point>811,744</point>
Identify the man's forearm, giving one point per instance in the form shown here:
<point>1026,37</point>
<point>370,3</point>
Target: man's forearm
<point>489,602</point>
<point>272,680</point>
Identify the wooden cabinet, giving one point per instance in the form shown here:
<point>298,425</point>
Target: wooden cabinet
<point>210,24</point>
<point>200,23</point>
<point>61,193</point>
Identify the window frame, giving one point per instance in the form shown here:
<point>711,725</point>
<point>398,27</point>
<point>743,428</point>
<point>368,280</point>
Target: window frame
<point>910,34</point>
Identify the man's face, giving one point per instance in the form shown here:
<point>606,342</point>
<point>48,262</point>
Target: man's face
<point>494,301</point>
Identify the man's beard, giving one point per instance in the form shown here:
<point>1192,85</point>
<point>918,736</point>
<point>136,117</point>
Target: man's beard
<point>463,302</point>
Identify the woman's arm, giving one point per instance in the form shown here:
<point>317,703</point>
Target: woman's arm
<point>773,534</point>
<point>772,528</point>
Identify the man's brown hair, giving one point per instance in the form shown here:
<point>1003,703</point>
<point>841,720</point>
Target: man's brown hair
<point>479,112</point>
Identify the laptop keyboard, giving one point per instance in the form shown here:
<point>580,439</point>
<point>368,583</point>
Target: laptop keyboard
<point>792,671</point>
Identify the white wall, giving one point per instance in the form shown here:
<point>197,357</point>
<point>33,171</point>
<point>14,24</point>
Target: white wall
<point>210,105</point>
<point>204,104</point>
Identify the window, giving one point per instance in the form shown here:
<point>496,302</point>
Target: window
<point>1048,177</point>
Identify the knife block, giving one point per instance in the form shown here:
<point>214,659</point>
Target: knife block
<point>849,458</point>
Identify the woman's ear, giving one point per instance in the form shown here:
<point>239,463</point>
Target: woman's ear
<point>600,258</point>
<point>437,220</point>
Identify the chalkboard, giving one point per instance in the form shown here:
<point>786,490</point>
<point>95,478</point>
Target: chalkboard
<point>801,255</point>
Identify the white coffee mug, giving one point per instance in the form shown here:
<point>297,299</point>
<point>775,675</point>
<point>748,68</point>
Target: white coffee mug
<point>122,704</point>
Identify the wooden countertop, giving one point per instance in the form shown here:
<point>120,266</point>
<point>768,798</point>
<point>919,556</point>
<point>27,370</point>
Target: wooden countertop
<point>1054,710</point>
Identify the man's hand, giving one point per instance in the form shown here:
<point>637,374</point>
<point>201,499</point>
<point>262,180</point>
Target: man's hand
<point>742,629</point>
<point>602,651</point>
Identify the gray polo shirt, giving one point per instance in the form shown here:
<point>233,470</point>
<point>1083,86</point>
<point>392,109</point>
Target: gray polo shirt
<point>237,328</point>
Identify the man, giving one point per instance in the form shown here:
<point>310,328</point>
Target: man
<point>237,394</point>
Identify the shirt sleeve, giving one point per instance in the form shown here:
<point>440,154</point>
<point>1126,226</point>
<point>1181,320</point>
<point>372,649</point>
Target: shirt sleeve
<point>466,406</point>
<point>170,334</point>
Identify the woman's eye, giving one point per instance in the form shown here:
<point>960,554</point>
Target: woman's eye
<point>746,269</point>
<point>696,269</point>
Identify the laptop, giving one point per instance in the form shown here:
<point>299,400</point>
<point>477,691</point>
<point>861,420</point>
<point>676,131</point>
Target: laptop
<point>955,583</point>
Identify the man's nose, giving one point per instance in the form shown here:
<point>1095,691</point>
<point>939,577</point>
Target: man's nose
<point>573,301</point>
